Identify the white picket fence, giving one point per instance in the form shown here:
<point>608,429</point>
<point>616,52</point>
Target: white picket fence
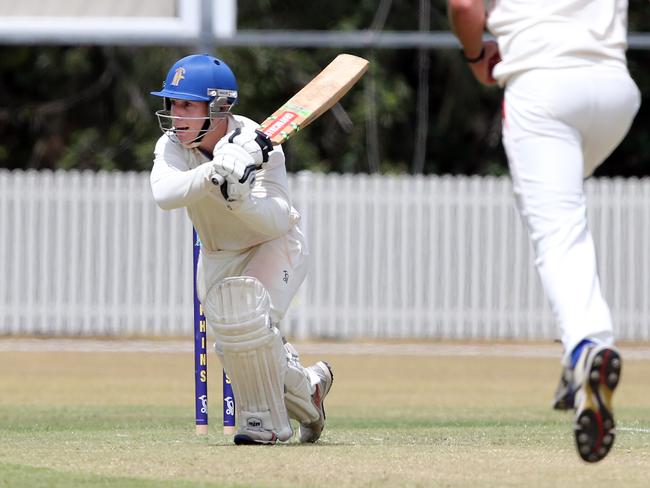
<point>90,254</point>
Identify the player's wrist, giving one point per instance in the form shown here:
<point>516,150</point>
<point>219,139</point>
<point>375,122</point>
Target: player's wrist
<point>475,59</point>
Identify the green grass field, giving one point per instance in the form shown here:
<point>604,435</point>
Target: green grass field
<point>126,419</point>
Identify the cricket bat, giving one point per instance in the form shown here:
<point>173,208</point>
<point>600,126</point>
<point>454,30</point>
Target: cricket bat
<point>315,98</point>
<point>312,101</point>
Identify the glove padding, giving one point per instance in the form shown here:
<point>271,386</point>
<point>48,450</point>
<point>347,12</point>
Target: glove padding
<point>255,142</point>
<point>237,170</point>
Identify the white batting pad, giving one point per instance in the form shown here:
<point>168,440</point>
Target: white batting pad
<point>298,389</point>
<point>251,350</point>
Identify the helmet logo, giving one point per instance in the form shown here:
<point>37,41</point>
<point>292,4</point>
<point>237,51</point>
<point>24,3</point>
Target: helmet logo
<point>178,76</point>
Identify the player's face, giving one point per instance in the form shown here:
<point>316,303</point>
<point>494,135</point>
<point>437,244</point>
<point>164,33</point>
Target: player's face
<point>191,117</point>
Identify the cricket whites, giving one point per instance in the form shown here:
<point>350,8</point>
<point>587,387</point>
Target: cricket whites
<point>313,100</point>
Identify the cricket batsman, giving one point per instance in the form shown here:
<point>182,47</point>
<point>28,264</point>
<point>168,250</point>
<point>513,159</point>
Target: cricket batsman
<point>253,259</point>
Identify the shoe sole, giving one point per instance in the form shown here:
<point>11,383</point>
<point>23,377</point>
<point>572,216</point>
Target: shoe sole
<point>324,394</point>
<point>244,440</point>
<point>594,423</point>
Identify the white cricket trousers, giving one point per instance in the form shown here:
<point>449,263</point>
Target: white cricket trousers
<point>280,265</point>
<point>558,126</point>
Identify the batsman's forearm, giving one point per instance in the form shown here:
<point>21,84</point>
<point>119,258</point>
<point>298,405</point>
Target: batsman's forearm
<point>270,216</point>
<point>175,189</point>
<point>467,19</point>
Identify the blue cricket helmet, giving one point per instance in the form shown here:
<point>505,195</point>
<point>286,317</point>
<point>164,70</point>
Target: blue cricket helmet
<point>201,78</point>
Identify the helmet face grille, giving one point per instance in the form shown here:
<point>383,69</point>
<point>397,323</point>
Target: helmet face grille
<point>168,125</point>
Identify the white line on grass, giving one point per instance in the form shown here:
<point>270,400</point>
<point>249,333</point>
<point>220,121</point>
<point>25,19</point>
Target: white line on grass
<point>633,429</point>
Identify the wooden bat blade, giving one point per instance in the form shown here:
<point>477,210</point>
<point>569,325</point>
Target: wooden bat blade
<point>315,98</point>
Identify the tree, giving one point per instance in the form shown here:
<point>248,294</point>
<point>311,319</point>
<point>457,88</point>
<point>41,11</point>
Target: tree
<point>89,107</point>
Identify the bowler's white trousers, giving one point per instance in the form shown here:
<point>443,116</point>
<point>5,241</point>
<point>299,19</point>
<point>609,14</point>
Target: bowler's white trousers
<point>280,265</point>
<point>558,126</point>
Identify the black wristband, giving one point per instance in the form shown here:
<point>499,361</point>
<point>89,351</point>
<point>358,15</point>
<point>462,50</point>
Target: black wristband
<point>473,60</point>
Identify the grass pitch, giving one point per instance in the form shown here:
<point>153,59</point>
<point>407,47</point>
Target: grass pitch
<point>126,419</point>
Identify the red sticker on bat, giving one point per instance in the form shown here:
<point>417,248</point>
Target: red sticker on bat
<point>280,123</point>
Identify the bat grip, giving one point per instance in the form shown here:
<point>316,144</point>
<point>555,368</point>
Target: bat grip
<point>217,180</point>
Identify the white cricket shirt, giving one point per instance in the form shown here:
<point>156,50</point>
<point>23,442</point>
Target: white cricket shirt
<point>180,178</point>
<point>557,34</point>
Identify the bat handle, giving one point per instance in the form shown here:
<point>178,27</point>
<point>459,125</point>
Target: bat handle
<point>217,180</point>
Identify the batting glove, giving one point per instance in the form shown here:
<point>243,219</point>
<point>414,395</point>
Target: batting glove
<point>233,170</point>
<point>255,142</point>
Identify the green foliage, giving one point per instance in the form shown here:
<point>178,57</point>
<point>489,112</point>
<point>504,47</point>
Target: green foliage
<point>78,107</point>
<point>89,107</point>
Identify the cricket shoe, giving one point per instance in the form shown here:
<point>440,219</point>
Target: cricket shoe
<point>311,432</point>
<point>564,394</point>
<point>596,375</point>
<point>245,437</point>
<point>253,433</point>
